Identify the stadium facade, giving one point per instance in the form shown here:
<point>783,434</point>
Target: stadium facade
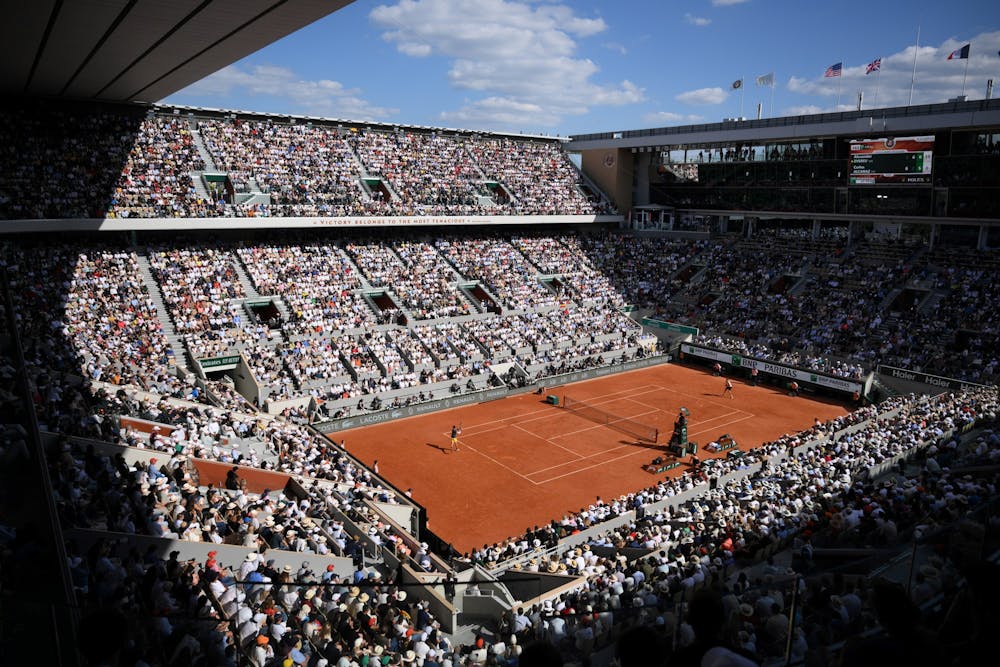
<point>733,174</point>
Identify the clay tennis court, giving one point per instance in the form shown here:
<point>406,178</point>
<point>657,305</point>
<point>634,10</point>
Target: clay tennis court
<point>522,462</point>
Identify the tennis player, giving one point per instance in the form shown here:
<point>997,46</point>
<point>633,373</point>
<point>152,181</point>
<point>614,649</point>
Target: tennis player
<point>729,388</point>
<point>455,431</point>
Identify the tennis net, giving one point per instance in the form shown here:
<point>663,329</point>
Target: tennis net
<point>624,424</point>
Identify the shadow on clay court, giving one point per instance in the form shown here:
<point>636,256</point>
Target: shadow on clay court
<point>440,448</point>
<point>645,445</point>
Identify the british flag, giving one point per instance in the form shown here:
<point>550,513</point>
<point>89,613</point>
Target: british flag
<point>873,66</point>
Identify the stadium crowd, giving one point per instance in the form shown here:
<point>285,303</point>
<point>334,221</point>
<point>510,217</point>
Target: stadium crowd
<point>678,561</point>
<point>504,270</point>
<point>811,489</point>
<point>96,163</point>
<point>691,547</point>
<point>319,291</point>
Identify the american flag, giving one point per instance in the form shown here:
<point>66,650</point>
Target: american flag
<point>834,70</point>
<point>873,66</point>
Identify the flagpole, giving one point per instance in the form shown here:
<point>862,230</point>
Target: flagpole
<point>878,80</point>
<point>840,81</point>
<point>913,75</point>
<point>743,90</point>
<point>966,75</point>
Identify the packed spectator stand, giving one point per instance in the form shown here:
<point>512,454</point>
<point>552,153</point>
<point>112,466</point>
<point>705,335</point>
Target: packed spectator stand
<point>101,364</point>
<point>119,163</point>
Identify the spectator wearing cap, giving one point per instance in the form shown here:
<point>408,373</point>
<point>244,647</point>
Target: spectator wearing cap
<point>262,652</point>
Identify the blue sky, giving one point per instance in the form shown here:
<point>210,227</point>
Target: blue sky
<point>550,67</point>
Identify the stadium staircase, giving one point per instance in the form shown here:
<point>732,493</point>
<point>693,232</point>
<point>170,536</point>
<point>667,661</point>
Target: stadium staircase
<point>253,185</point>
<point>252,293</point>
<point>346,257</point>
<point>593,187</point>
<point>181,357</point>
<point>256,446</point>
<point>467,290</point>
<point>206,158</point>
<point>485,201</point>
<point>456,283</point>
<point>366,190</point>
<point>199,185</point>
<point>244,278</point>
<point>884,330</point>
<point>393,195</point>
<point>890,298</point>
<point>931,303</point>
<point>203,152</point>
<point>357,158</point>
<point>800,285</point>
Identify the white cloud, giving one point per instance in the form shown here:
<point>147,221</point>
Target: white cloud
<point>937,78</point>
<point>415,50</point>
<point>700,21</point>
<point>714,95</point>
<point>615,46</point>
<point>491,111</point>
<point>671,117</point>
<point>798,84</point>
<point>804,110</point>
<point>727,3</point>
<point>521,55</point>
<point>320,97</point>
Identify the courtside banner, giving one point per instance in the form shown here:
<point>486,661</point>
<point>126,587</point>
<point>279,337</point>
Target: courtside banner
<point>220,363</point>
<point>771,368</point>
<point>926,378</point>
<point>167,224</point>
<point>458,400</point>
<point>669,326</point>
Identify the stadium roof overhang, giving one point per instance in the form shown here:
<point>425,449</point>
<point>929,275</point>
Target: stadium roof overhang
<point>137,50</point>
<point>924,119</point>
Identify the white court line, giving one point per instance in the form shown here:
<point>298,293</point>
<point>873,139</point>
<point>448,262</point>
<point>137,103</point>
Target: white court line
<point>721,405</point>
<point>502,465</point>
<point>617,458</point>
<point>607,398</point>
<point>712,419</point>
<point>591,428</point>
<point>735,421</point>
<point>578,455</point>
<point>508,421</point>
<point>726,414</point>
<point>565,449</point>
<point>623,456</point>
<point>595,465</point>
<point>647,389</point>
<point>647,405</point>
<point>582,458</point>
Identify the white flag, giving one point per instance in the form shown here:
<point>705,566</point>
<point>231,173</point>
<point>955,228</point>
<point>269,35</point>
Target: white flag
<point>766,79</point>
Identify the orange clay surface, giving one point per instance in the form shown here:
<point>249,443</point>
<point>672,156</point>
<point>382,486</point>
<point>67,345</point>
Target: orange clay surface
<point>522,462</point>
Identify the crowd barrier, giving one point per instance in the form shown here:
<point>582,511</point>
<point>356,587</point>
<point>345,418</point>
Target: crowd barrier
<point>771,370</point>
<point>458,400</point>
<point>227,555</point>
